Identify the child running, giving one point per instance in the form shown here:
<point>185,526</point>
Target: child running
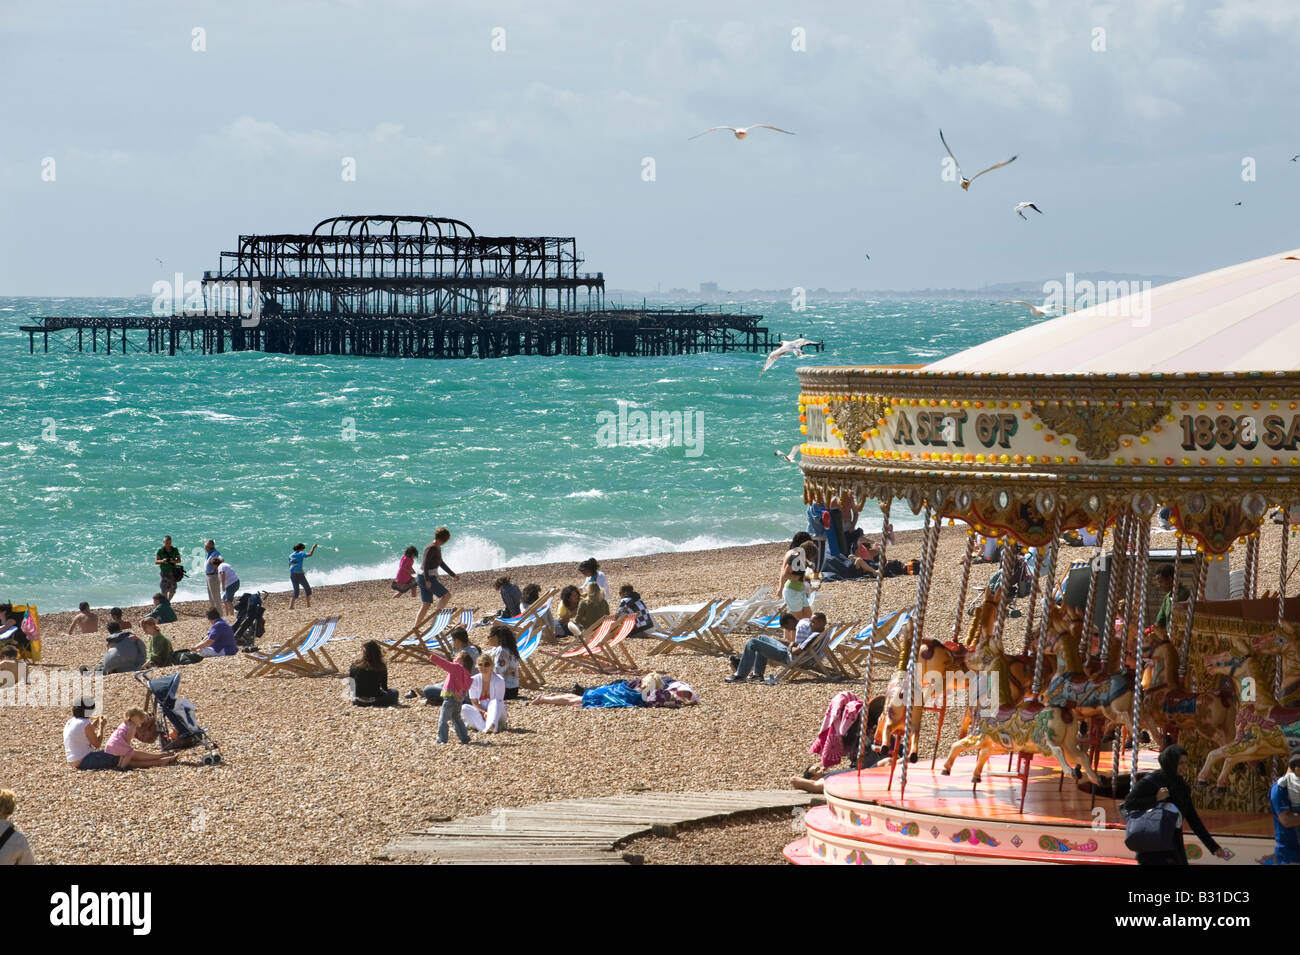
<point>296,575</point>
<point>119,744</point>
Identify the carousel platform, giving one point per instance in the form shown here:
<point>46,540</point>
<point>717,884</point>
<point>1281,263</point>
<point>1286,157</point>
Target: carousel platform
<point>942,821</point>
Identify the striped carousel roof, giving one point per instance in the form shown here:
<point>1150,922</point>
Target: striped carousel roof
<point>1241,318</point>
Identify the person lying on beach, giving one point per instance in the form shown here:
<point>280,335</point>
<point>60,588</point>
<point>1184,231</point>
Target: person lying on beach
<point>404,581</point>
<point>590,569</point>
<point>592,608</point>
<point>570,598</point>
<point>369,678</point>
<point>486,709</point>
<point>651,690</point>
<point>162,610</point>
<point>510,597</point>
<point>83,737</point>
<point>221,638</point>
<point>459,638</point>
<point>126,651</point>
<point>836,744</point>
<point>505,657</point>
<point>630,602</point>
<point>128,757</point>
<point>85,621</point>
<point>454,690</point>
<point>759,650</point>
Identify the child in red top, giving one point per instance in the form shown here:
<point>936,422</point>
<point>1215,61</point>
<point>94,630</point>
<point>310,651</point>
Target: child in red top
<point>119,744</point>
<point>454,691</point>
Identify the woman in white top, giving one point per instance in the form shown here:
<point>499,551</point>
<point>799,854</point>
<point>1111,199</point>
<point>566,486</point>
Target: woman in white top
<point>83,737</point>
<point>486,709</point>
<point>505,657</point>
<point>591,568</point>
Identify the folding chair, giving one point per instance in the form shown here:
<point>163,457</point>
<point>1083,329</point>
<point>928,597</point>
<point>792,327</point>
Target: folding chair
<point>692,632</point>
<point>610,656</point>
<point>529,676</point>
<point>583,646</point>
<point>303,654</point>
<point>415,645</point>
<point>815,660</point>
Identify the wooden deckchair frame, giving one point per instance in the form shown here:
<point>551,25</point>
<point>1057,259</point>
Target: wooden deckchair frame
<point>315,661</point>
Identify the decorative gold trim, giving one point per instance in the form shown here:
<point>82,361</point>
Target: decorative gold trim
<point>1098,429</point>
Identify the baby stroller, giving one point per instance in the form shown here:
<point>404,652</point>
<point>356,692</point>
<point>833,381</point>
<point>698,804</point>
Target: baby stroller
<point>250,623</point>
<point>178,713</point>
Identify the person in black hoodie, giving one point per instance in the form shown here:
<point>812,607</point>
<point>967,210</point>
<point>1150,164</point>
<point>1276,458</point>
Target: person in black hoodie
<point>1167,784</point>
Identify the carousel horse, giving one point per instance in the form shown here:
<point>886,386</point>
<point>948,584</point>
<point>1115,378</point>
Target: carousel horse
<point>893,719</point>
<point>1263,728</point>
<point>1281,643</point>
<point>1032,728</point>
<point>1108,696</point>
<point>1015,673</point>
<point>1168,706</point>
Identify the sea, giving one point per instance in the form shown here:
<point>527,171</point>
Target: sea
<point>526,460</point>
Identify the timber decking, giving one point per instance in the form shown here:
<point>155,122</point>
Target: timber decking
<point>579,831</point>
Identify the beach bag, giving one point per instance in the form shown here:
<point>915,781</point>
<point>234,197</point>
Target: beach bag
<point>1155,830</point>
<point>182,658</point>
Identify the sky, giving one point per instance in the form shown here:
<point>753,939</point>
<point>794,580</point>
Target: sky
<point>1137,126</point>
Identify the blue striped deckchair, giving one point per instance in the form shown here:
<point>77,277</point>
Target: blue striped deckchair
<point>303,654</point>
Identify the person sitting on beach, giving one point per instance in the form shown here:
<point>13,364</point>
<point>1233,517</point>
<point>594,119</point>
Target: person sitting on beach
<point>12,670</point>
<point>126,651</point>
<point>528,597</point>
<point>630,602</point>
<point>297,576</point>
<point>160,648</point>
<point>590,569</point>
<point>14,848</point>
<point>115,616</point>
<point>229,584</point>
<point>162,610</point>
<point>459,644</point>
<point>504,652</point>
<point>369,678</point>
<point>510,597</point>
<point>404,582</point>
<point>592,608</point>
<point>454,690</point>
<point>128,757</point>
<point>570,599</point>
<point>83,737</point>
<point>486,709</point>
<point>794,566</point>
<point>428,582</point>
<point>85,621</point>
<point>759,650</point>
<point>220,641</point>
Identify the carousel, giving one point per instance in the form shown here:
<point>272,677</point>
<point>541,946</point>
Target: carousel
<point>1181,405</point>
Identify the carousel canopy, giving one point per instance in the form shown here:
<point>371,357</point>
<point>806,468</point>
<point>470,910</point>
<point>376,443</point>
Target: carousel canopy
<point>1239,318</point>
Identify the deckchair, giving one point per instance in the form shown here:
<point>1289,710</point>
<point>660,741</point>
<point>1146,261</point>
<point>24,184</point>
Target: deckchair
<point>304,653</point>
<point>667,618</point>
<point>693,632</point>
<point>816,660</point>
<point>538,606</point>
<point>611,656</point>
<point>886,636</point>
<point>415,645</point>
<point>582,646</point>
<point>529,676</point>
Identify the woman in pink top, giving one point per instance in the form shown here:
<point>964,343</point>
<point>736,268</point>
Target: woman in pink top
<point>404,582</point>
<point>119,744</point>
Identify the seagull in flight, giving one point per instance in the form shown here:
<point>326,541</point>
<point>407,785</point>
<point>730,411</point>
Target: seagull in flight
<point>1295,157</point>
<point>789,458</point>
<point>159,261</point>
<point>1041,311</point>
<point>740,132</point>
<point>795,348</point>
<point>1236,203</point>
<point>1022,206</point>
<point>965,183</point>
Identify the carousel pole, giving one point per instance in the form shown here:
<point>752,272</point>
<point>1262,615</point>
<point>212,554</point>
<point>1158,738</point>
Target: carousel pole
<point>1130,573</point>
<point>1248,587</point>
<point>875,622</point>
<point>1281,615</point>
<point>929,545</point>
<point>1033,596</point>
<point>972,541</point>
<point>1140,571</point>
<point>1047,598</point>
<point>1202,565</point>
<point>1003,603</point>
<point>1090,605</point>
<point>1113,583</point>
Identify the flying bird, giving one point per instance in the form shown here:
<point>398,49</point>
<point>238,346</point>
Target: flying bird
<point>1236,203</point>
<point>740,132</point>
<point>159,261</point>
<point>1022,206</point>
<point>1295,157</point>
<point>795,348</point>
<point>788,457</point>
<point>965,183</point>
<point>1041,311</point>
<point>868,257</point>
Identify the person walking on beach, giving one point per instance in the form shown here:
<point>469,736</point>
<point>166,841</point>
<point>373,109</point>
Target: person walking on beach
<point>792,583</point>
<point>229,584</point>
<point>210,570</point>
<point>171,568</point>
<point>430,585</point>
<point>1166,787</point>
<point>296,575</point>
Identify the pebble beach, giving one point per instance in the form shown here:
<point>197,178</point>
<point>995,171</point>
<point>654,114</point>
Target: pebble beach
<point>308,778</point>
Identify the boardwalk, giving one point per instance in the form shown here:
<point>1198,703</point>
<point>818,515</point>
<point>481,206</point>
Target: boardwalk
<point>578,831</point>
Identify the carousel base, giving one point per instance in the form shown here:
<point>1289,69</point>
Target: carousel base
<point>942,820</point>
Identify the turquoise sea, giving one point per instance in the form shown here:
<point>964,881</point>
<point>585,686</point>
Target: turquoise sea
<point>102,455</point>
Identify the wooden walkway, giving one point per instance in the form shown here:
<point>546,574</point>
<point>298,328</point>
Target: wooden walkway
<point>579,831</point>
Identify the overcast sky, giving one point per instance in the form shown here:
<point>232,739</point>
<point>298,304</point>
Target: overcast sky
<point>1133,152</point>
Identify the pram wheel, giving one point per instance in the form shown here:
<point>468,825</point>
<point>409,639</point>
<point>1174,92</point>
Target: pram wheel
<point>216,759</point>
<point>209,760</point>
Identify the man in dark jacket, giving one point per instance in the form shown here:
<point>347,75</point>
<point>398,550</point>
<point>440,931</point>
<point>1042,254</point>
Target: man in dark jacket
<point>1166,784</point>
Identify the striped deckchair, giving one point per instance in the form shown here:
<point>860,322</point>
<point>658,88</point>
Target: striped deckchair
<point>303,654</point>
<point>693,632</point>
<point>582,646</point>
<point>415,645</point>
<point>530,677</point>
<point>611,656</point>
<point>886,637</point>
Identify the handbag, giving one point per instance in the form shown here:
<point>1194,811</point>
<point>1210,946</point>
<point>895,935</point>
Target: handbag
<point>1155,830</point>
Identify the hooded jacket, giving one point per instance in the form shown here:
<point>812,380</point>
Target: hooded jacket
<point>1143,797</point>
